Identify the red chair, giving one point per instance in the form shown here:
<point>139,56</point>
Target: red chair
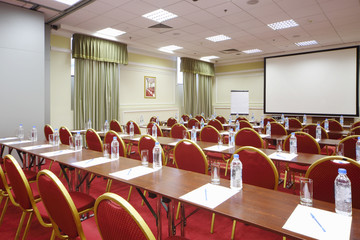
<point>248,137</point>
<point>221,119</point>
<point>185,117</point>
<point>323,173</point>
<point>149,129</point>
<point>268,119</point>
<point>241,119</point>
<point>115,126</point>
<point>93,140</point>
<point>355,124</point>
<point>211,134</point>
<point>350,146</point>
<point>153,119</point>
<point>217,124</point>
<point>5,193</point>
<point>136,127</point>
<point>294,123</point>
<point>193,122</point>
<point>305,144</point>
<point>334,126</point>
<point>199,118</point>
<point>325,150</point>
<point>62,207</point>
<point>47,131</point>
<point>177,131</point>
<point>132,146</point>
<point>170,122</point>
<point>64,134</point>
<point>244,124</point>
<point>355,131</point>
<point>277,129</point>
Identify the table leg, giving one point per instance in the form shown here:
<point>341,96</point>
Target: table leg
<point>183,219</point>
<point>158,213</point>
<point>171,226</point>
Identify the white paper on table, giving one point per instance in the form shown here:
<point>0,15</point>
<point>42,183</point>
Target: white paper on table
<point>173,143</point>
<point>123,135</point>
<point>55,153</point>
<point>264,135</point>
<point>256,126</point>
<point>218,148</point>
<point>224,133</point>
<point>135,139</point>
<point>318,140</point>
<point>37,147</point>
<point>8,138</point>
<point>209,195</point>
<point>131,173</point>
<point>93,162</point>
<point>336,226</point>
<point>283,156</point>
<point>18,142</point>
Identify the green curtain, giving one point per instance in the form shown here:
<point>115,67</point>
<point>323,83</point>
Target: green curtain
<point>196,66</point>
<point>190,93</point>
<point>205,94</point>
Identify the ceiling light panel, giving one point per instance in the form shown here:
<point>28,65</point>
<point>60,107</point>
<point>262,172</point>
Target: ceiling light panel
<point>208,58</point>
<point>159,15</point>
<point>284,24</point>
<point>68,2</point>
<point>218,38</point>
<point>306,43</point>
<point>170,48</point>
<point>110,32</point>
<point>252,51</point>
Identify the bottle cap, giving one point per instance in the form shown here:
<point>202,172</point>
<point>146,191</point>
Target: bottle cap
<point>193,127</point>
<point>236,155</point>
<point>157,143</point>
<point>20,124</point>
<point>114,138</point>
<point>293,134</point>
<point>342,171</point>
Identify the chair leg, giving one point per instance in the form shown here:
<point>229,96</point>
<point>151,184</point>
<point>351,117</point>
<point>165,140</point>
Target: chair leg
<point>142,202</point>
<point>178,211</point>
<point>23,215</point>
<point>52,235</point>
<point>28,226</point>
<point>4,209</point>
<point>108,185</point>
<point>233,230</point>
<point>285,178</point>
<point>129,194</point>
<point>212,223</point>
<point>51,163</point>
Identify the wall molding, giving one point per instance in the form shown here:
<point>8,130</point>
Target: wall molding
<point>259,71</point>
<point>57,49</point>
<point>150,66</point>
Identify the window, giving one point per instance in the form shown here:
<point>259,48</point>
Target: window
<point>179,74</point>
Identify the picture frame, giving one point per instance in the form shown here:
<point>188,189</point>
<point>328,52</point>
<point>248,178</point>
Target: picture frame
<point>149,87</point>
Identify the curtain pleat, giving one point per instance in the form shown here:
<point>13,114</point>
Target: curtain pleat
<point>196,66</point>
<point>190,93</point>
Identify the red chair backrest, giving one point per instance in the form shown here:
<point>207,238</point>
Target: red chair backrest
<point>350,146</point>
<point>136,127</point>
<point>189,156</point>
<point>241,119</point>
<point>268,119</point>
<point>355,131</point>
<point>171,121</point>
<point>64,134</point>
<point>356,124</point>
<point>323,173</point>
<point>177,131</point>
<point>153,119</point>
<point>277,129</point>
<point>248,137</point>
<point>47,131</point>
<point>185,117</point>
<point>193,122</point>
<point>109,138</point>
<point>312,131</point>
<point>257,169</point>
<point>305,143</point>
<point>245,124</point>
<point>199,117</point>
<point>209,134</point>
<point>148,142</point>
<point>115,126</point>
<point>93,140</point>
<point>149,129</point>
<point>216,124</point>
<point>294,123</point>
<point>333,126</point>
<point>221,119</point>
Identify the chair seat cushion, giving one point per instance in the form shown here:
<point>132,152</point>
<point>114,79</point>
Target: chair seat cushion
<point>30,175</point>
<point>298,168</point>
<point>82,201</point>
<point>43,212</point>
<point>328,150</point>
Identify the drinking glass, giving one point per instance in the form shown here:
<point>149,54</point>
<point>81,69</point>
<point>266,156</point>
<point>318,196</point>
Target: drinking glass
<point>220,139</point>
<point>215,172</point>
<point>51,139</point>
<point>279,144</point>
<point>306,192</point>
<point>107,150</point>
<point>145,157</point>
<point>340,149</point>
<point>72,142</point>
<point>185,135</point>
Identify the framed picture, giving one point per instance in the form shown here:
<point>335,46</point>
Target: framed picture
<point>149,87</point>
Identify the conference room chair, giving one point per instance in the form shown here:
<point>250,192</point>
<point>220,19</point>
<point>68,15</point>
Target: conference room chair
<point>132,146</point>
<point>244,124</point>
<point>193,122</point>
<point>355,131</point>
<point>211,134</point>
<point>323,173</point>
<point>277,129</point>
<point>241,119</point>
<point>177,131</point>
<point>63,211</point>
<point>47,131</point>
<point>115,126</point>
<point>268,119</point>
<point>185,117</point>
<point>355,124</point>
<point>64,134</point>
<point>305,144</point>
<point>93,140</point>
<point>222,119</point>
<point>325,149</point>
<point>109,137</point>
<point>150,126</point>
<point>217,124</point>
<point>334,125</point>
<point>153,119</point>
<point>294,123</point>
<point>248,137</point>
<point>136,127</point>
<point>170,122</point>
<point>5,194</point>
<point>350,146</point>
<point>199,118</point>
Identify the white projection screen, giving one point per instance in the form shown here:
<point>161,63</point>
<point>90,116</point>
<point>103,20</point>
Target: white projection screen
<point>239,102</point>
<point>313,83</point>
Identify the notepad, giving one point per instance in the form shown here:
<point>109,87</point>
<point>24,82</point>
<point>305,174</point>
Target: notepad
<point>209,195</point>
<point>93,162</point>
<point>264,135</point>
<point>282,156</point>
<point>328,225</point>
<point>37,147</point>
<point>131,173</point>
<point>18,142</point>
<point>8,138</point>
<point>218,148</point>
<point>56,153</point>
<point>173,143</point>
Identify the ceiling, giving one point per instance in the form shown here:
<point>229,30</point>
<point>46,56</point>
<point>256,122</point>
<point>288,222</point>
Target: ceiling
<point>332,23</point>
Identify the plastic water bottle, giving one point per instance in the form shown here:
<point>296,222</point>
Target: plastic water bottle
<point>202,114</point>
<point>293,144</point>
<point>56,137</point>
<point>20,132</point>
<point>318,131</point>
<point>202,123</point>
<point>157,163</point>
<point>231,138</point>
<point>230,119</point>
<point>33,134</point>
<point>236,173</point>
<point>176,116</point>
<point>106,126</point>
<point>157,120</point>
<point>304,119</point>
<point>342,120</point>
<point>268,129</point>
<point>262,122</point>
<point>88,124</point>
<point>286,123</point>
<point>114,148</point>
<point>237,126</point>
<point>78,142</point>
<point>193,134</point>
<point>282,118</point>
<point>181,121</point>
<point>343,202</point>
<point>154,130</point>
<point>326,124</point>
<point>214,114</point>
<point>358,150</point>
<point>252,117</point>
<point>190,116</point>
<point>131,129</point>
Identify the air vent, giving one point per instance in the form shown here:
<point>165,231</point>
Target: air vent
<point>160,25</point>
<point>230,51</point>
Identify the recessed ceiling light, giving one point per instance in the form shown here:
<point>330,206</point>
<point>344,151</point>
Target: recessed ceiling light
<point>159,15</point>
<point>208,58</point>
<point>110,32</point>
<point>170,48</point>
<point>284,24</point>
<point>306,43</point>
<point>252,51</point>
<point>218,38</point>
<point>68,2</point>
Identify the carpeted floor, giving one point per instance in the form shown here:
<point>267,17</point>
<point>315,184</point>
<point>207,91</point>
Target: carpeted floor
<point>198,225</point>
